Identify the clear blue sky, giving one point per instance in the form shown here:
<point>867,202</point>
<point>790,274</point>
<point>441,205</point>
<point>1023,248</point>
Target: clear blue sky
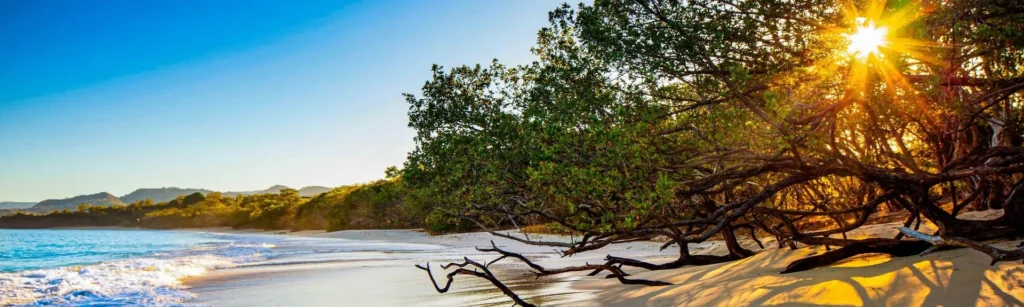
<point>227,95</point>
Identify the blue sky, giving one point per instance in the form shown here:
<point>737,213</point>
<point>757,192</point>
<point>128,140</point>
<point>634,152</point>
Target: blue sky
<point>227,95</point>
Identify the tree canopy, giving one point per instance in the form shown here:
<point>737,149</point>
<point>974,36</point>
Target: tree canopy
<point>696,119</point>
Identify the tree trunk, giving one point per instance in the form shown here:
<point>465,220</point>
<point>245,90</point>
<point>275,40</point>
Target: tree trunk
<point>735,250</point>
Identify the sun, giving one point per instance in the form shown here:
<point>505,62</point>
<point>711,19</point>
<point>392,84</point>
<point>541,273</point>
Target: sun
<point>866,39</point>
<point>878,35</point>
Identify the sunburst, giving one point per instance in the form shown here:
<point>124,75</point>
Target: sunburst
<point>866,39</point>
<point>875,39</point>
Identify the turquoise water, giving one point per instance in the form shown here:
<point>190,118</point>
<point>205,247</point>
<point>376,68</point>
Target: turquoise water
<point>44,249</point>
<point>145,267</point>
<point>114,267</point>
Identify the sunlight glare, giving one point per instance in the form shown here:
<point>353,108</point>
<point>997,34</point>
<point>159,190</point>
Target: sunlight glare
<point>866,39</point>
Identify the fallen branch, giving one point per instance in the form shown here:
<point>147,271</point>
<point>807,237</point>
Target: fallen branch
<point>528,241</point>
<point>939,241</point>
<point>484,273</point>
<point>542,271</point>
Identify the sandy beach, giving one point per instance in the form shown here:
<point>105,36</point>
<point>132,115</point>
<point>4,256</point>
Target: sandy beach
<point>390,281</point>
<point>948,278</point>
<point>959,277</point>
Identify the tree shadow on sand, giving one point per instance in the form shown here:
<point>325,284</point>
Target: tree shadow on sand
<point>949,278</point>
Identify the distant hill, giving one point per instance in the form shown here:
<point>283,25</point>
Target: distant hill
<point>155,194</point>
<point>311,191</point>
<point>167,194</point>
<point>159,195</point>
<point>98,199</point>
<point>15,205</point>
<point>271,190</point>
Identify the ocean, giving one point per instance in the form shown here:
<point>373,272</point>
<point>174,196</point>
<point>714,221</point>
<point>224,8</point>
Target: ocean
<point>145,267</point>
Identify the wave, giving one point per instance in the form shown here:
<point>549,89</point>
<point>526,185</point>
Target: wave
<point>154,279</point>
<point>149,281</point>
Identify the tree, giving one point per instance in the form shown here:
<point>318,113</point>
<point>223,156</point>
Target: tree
<point>83,208</point>
<point>699,119</point>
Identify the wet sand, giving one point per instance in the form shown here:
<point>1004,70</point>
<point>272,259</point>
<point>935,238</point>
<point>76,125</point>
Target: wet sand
<point>361,284</point>
<point>386,282</point>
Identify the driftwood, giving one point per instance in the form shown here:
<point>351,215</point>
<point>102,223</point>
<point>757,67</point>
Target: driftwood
<point>542,271</point>
<point>482,270</point>
<point>940,241</point>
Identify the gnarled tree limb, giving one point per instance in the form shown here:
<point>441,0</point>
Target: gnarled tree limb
<point>484,273</point>
<point>938,241</point>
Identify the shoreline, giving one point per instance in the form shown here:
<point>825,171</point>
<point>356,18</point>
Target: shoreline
<point>371,282</point>
<point>954,277</point>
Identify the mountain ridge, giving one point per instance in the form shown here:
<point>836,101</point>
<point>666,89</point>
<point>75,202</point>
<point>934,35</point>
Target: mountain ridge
<point>16,204</point>
<point>98,199</point>
<point>159,194</point>
<point>155,194</point>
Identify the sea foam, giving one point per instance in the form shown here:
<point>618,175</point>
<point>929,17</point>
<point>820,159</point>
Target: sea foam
<point>147,281</point>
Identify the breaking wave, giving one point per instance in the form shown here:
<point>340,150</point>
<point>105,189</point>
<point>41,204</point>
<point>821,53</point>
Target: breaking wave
<point>154,280</point>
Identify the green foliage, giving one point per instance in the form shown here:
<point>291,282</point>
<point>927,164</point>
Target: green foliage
<point>639,110</point>
<point>559,137</point>
<point>380,204</point>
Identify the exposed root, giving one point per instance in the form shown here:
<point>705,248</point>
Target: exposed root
<point>896,248</point>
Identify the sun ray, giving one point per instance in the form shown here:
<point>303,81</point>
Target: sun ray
<point>876,40</point>
<point>867,39</point>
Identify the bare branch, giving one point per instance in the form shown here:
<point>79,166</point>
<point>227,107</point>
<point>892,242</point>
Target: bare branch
<point>996,254</point>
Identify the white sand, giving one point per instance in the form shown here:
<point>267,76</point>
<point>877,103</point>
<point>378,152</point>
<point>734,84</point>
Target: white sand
<point>948,278</point>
